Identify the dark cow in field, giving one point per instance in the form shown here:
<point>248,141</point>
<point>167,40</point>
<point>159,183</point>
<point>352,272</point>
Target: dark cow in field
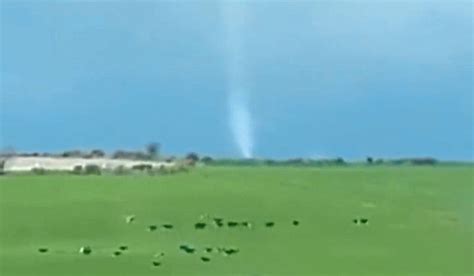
<point>270,224</point>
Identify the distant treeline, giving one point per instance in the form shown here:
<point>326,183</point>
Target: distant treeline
<point>271,162</point>
<point>301,162</point>
<point>152,152</point>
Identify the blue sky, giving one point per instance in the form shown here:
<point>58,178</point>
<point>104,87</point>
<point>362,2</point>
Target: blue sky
<point>323,78</point>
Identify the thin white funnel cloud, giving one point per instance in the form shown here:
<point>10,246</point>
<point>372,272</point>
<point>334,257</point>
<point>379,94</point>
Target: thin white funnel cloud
<point>240,118</point>
<point>241,123</point>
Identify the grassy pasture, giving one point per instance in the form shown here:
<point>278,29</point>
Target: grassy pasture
<point>420,222</point>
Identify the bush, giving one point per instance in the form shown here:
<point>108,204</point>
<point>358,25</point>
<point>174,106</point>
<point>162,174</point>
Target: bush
<point>415,161</point>
<point>270,162</point>
<point>172,169</point>
<point>207,159</point>
<point>181,167</point>
<point>423,161</point>
<point>162,169</point>
<point>72,153</point>
<point>132,155</point>
<point>121,170</point>
<point>77,169</point>
<point>92,169</point>
<point>295,161</point>
<point>142,167</point>
<point>170,159</point>
<point>2,166</point>
<point>38,171</point>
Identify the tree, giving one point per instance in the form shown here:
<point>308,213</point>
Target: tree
<point>192,158</point>
<point>97,153</point>
<point>340,161</point>
<point>153,150</point>
<point>207,159</point>
<point>120,154</point>
<point>370,160</point>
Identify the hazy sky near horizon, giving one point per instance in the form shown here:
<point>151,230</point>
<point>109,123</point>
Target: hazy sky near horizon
<point>323,78</point>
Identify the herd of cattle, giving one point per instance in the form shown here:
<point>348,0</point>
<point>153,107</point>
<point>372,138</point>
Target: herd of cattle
<point>204,222</point>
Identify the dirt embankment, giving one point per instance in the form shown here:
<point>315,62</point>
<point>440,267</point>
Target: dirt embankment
<point>18,164</point>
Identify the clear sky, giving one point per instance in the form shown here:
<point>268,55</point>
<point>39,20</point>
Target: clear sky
<point>322,78</point>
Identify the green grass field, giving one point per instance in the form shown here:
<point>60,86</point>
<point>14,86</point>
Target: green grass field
<point>420,222</point>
